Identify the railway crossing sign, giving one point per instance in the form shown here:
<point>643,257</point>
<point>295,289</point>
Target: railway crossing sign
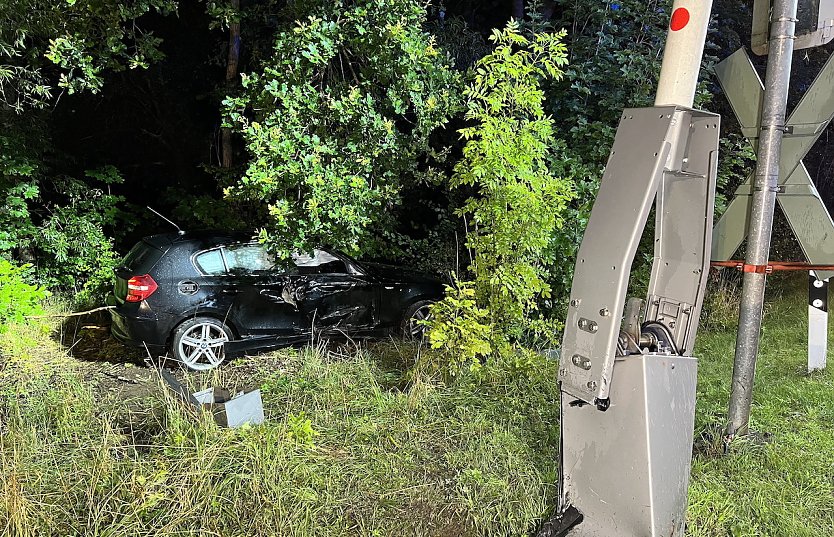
<point>797,196</point>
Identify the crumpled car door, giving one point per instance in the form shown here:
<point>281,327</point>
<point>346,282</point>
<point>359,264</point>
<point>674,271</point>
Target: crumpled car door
<point>263,306</point>
<point>337,302</point>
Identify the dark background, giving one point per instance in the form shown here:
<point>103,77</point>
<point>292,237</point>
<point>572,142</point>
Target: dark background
<point>160,126</point>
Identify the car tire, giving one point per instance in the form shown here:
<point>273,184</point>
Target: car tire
<point>197,343</point>
<point>418,311</point>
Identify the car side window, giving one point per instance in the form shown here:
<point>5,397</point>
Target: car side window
<point>248,258</point>
<point>211,262</point>
<point>320,262</point>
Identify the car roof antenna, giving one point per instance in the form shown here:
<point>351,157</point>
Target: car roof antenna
<point>179,231</point>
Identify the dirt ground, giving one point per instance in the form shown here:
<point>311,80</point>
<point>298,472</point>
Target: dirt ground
<point>121,373</point>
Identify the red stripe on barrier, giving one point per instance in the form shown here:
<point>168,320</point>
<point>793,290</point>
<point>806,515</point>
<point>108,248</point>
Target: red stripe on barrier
<point>770,267</point>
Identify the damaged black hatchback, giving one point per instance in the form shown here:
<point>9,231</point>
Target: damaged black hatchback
<point>208,295</point>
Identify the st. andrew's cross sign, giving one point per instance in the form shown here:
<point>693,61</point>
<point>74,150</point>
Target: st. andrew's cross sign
<point>797,195</point>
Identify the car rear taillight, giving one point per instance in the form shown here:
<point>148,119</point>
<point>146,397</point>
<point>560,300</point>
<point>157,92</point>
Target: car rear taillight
<point>139,288</point>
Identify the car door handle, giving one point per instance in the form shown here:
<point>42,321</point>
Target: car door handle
<point>229,291</point>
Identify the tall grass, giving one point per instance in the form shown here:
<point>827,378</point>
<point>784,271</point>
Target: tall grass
<point>349,448</point>
<point>352,445</point>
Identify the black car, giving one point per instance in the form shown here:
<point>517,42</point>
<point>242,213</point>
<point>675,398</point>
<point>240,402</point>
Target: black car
<point>208,295</point>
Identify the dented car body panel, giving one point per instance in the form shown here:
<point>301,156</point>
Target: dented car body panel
<point>230,278</point>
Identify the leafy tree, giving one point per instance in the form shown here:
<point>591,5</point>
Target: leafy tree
<point>518,203</point>
<point>51,220</point>
<point>340,119</point>
<point>81,39</point>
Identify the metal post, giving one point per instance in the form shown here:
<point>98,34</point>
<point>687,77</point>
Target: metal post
<point>763,201</point>
<point>817,322</point>
<point>682,53</point>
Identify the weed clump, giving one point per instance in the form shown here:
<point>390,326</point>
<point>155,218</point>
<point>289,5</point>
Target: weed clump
<point>18,297</point>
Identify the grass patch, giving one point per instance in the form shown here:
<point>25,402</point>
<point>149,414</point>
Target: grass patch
<point>781,481</point>
<point>355,446</point>
<point>349,448</point>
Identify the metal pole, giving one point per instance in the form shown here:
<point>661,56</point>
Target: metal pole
<point>627,418</point>
<point>817,322</point>
<point>682,53</point>
<point>765,187</point>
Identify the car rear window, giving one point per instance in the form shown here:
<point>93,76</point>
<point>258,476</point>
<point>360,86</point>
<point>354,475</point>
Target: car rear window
<point>142,257</point>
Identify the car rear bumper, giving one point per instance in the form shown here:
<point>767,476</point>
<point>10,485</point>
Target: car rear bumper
<point>131,329</point>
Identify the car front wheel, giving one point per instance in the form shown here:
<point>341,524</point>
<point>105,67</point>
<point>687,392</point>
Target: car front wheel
<point>412,328</point>
<point>198,343</point>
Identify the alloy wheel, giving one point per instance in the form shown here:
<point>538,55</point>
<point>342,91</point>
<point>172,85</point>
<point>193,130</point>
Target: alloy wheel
<point>201,346</point>
<point>415,328</point>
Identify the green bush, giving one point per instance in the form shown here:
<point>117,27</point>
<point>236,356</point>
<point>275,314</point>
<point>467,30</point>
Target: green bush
<point>61,226</point>
<point>73,247</point>
<point>460,332</point>
<point>517,207</point>
<point>18,298</point>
